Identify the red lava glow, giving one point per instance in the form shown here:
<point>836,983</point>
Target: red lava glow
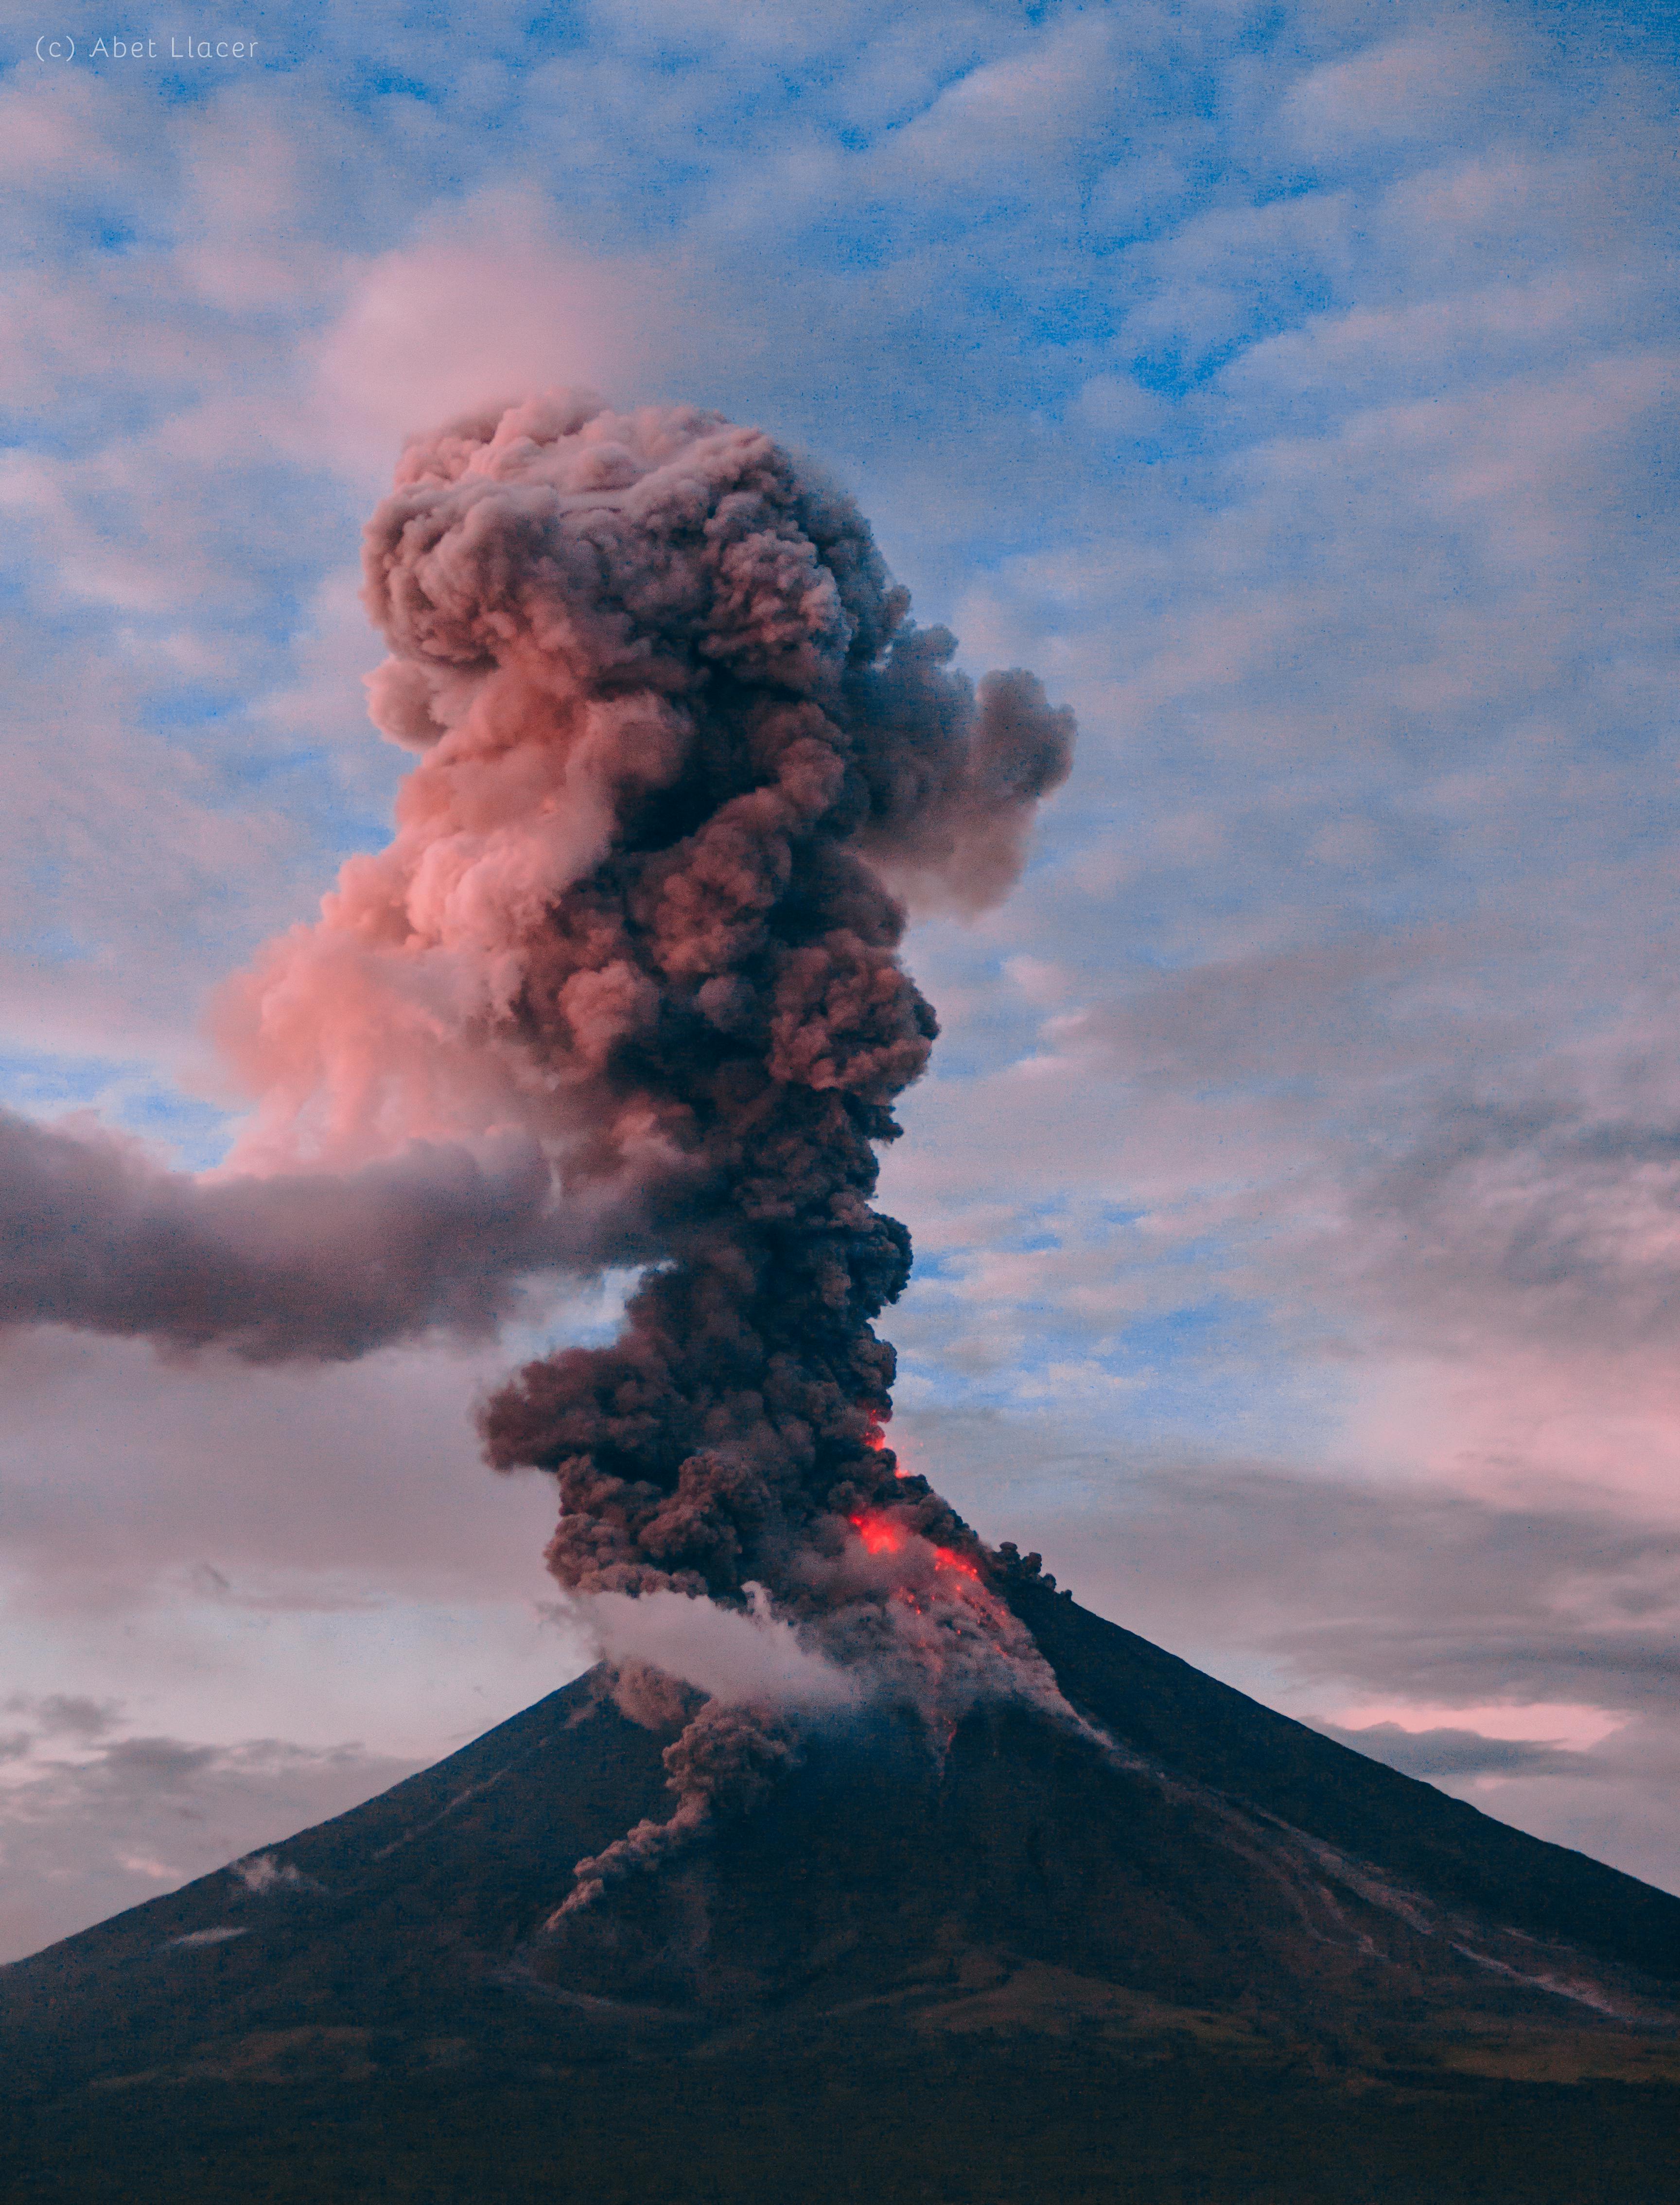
<point>946,1558</point>
<point>875,1438</point>
<point>881,1536</point>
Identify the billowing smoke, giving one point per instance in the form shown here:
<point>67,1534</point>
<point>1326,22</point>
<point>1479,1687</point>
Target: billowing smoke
<point>678,732</point>
<point>689,645</point>
<point>683,760</point>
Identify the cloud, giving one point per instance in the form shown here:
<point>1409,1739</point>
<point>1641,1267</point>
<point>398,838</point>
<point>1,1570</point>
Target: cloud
<point>1458,1753</point>
<point>1001,130</point>
<point>734,1656</point>
<point>84,1838</point>
<point>279,1485</point>
<point>1417,86</point>
<point>485,305</point>
<point>1542,1219</point>
<point>1423,1592</point>
<point>95,1236</point>
<point>65,1715</point>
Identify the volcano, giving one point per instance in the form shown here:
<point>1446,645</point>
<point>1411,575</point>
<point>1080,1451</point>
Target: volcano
<point>1191,1951</point>
<point>976,1897</point>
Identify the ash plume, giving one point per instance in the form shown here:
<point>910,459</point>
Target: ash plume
<point>697,637</point>
<point>684,760</point>
<point>678,732</point>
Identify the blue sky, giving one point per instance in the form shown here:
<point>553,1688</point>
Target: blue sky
<point>1298,1187</point>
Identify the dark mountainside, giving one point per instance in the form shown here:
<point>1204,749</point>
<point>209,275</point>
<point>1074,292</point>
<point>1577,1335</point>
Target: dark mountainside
<point>1234,1961</point>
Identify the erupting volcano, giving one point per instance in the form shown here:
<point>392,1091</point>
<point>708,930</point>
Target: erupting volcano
<point>683,755</point>
<point>1023,1907</point>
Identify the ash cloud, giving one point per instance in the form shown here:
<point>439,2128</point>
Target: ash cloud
<point>688,640</point>
<point>318,1265</point>
<point>677,733</point>
<point>624,986</point>
<point>679,740</point>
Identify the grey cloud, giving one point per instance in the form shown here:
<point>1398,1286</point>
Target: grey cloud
<point>377,1462</point>
<point>1459,1753</point>
<point>74,1714</point>
<point>1364,1006</point>
<point>1541,1658</point>
<point>140,1767</point>
<point>1549,1218</point>
<point>1433,1593</point>
<point>67,1715</point>
<point>56,1715</point>
<point>325,1265</point>
<point>84,1838</point>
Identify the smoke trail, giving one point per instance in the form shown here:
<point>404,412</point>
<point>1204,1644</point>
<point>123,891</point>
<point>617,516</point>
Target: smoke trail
<point>318,1265</point>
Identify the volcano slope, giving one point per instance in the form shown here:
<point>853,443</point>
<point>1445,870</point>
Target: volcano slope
<point>1224,1959</point>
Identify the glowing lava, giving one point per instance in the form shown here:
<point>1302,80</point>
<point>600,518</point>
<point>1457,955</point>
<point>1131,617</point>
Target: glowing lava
<point>880,1535</point>
<point>875,1440</point>
<point>946,1557</point>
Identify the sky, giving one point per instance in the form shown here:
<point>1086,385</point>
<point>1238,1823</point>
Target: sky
<point>1296,1191</point>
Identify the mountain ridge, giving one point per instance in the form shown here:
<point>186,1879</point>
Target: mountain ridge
<point>1221,1907</point>
<point>1314,1779</point>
